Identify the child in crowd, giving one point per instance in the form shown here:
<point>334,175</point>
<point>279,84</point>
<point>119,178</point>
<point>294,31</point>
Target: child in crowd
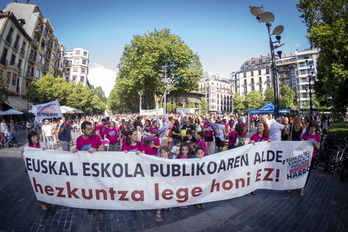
<point>200,142</point>
<point>149,144</point>
<point>175,149</point>
<point>199,153</point>
<point>184,153</point>
<point>156,143</point>
<point>164,152</point>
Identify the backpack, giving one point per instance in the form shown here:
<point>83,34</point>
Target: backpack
<point>239,141</point>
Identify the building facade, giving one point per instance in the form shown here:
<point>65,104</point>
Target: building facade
<point>76,67</point>
<point>218,92</point>
<point>294,70</point>
<point>29,50</point>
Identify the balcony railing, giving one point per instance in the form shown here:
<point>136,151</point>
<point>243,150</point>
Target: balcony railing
<point>16,46</point>
<point>9,39</point>
<point>22,51</point>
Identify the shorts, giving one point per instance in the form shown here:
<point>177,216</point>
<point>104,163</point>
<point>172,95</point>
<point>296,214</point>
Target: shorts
<point>219,142</point>
<point>208,139</point>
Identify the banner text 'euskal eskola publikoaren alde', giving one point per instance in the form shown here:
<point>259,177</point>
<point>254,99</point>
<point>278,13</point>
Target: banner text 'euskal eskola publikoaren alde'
<point>126,181</point>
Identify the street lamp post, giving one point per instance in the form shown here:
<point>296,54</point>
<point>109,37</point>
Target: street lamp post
<point>167,86</point>
<point>268,17</point>
<point>140,94</point>
<point>310,76</point>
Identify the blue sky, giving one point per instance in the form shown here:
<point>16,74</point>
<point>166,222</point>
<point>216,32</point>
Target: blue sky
<point>223,32</point>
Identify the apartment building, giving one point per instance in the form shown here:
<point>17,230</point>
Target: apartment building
<point>217,91</point>
<point>293,70</point>
<point>76,67</point>
<point>29,50</point>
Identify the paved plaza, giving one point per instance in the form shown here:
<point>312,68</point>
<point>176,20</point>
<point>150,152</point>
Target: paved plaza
<point>324,207</point>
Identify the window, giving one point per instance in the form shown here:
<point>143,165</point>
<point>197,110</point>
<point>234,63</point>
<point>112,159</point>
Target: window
<point>76,60</point>
<point>8,81</point>
<point>268,78</point>
<point>38,73</point>
<point>260,72</point>
<point>253,62</point>
<point>82,78</point>
<point>77,52</point>
<point>39,58</point>
<point>260,79</point>
<point>260,62</point>
<point>245,81</point>
<point>83,70</point>
<point>260,88</point>
<point>75,69</point>
<point>67,78</point>
<point>84,61</point>
<point>74,77</point>
<point>85,53</point>
<point>252,80</point>
<point>13,59</point>
<point>267,71</point>
<point>26,84</point>
<point>14,79</point>
<point>245,89</point>
<point>268,86</point>
<point>244,74</point>
<point>252,87</point>
<point>252,73</point>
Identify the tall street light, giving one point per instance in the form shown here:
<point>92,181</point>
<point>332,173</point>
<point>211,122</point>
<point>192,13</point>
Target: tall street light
<point>140,94</point>
<point>268,18</point>
<point>310,76</point>
<point>167,86</point>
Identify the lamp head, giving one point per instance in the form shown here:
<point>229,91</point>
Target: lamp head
<point>279,54</point>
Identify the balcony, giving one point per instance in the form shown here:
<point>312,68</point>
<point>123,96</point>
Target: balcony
<point>22,52</point>
<point>47,56</point>
<point>38,30</point>
<point>4,61</point>
<point>29,75</point>
<point>16,46</point>
<point>9,39</point>
<point>35,43</point>
<point>32,58</point>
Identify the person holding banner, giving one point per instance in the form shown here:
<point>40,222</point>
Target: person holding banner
<point>262,135</point>
<point>131,144</point>
<point>88,141</point>
<point>65,133</point>
<point>311,135</point>
<point>33,141</point>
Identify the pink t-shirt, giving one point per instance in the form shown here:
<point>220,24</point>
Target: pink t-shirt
<point>112,135</point>
<point>257,138</point>
<point>232,137</point>
<point>148,150</point>
<point>209,131</point>
<point>36,146</point>
<point>157,143</point>
<point>316,137</point>
<point>138,147</point>
<point>83,144</point>
<point>202,143</point>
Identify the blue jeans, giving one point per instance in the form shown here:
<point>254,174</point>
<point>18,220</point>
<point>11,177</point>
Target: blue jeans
<point>49,142</point>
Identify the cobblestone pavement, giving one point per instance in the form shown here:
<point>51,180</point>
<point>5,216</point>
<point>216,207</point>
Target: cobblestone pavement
<point>324,207</point>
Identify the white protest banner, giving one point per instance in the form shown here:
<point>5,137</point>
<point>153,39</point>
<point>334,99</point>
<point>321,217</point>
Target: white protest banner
<point>126,181</point>
<point>47,110</point>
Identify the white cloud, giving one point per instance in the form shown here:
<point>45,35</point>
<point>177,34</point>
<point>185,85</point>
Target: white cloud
<point>102,76</point>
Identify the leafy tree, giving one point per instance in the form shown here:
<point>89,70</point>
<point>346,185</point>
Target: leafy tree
<point>327,31</point>
<point>269,95</point>
<point>253,100</point>
<point>3,89</point>
<point>204,106</point>
<point>286,97</point>
<point>49,88</point>
<point>238,102</point>
<point>145,58</point>
<point>80,98</point>
<point>100,93</point>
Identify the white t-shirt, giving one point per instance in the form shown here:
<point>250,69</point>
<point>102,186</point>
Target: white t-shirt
<point>276,131</point>
<point>175,150</point>
<point>47,129</point>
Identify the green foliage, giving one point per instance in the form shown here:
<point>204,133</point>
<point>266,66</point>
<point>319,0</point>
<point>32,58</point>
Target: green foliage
<point>286,98</point>
<point>203,106</point>
<point>269,95</point>
<point>3,88</point>
<point>49,88</point>
<point>253,100</point>
<point>144,59</point>
<point>100,93</point>
<point>328,31</point>
<point>238,102</point>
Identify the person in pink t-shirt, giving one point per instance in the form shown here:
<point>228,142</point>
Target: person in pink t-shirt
<point>149,144</point>
<point>131,144</point>
<point>112,134</point>
<point>88,141</point>
<point>200,142</point>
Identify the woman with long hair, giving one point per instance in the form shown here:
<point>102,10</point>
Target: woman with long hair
<point>296,129</point>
